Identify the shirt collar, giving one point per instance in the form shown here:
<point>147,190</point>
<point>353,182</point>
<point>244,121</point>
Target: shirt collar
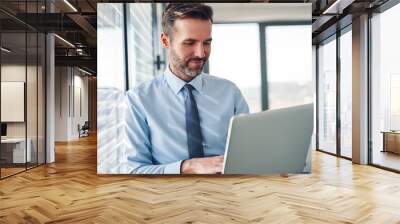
<point>177,84</point>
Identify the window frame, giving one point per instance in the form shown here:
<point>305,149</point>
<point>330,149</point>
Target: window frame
<point>263,54</point>
<point>379,10</point>
<point>333,37</point>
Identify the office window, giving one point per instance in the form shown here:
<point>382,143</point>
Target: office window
<point>289,71</point>
<point>346,94</point>
<point>13,87</point>
<point>111,85</point>
<point>395,102</point>
<point>110,44</point>
<point>140,43</point>
<point>385,88</point>
<point>41,79</point>
<point>235,56</point>
<point>31,100</point>
<point>327,96</point>
<point>314,74</point>
<point>22,94</point>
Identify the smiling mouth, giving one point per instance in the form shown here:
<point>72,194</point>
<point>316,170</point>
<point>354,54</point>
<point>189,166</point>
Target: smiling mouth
<point>197,62</point>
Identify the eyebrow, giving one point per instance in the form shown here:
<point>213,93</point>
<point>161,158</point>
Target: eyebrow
<point>190,39</point>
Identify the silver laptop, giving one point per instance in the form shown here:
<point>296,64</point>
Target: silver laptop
<point>273,141</point>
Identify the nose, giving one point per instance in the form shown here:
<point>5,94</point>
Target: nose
<point>200,51</point>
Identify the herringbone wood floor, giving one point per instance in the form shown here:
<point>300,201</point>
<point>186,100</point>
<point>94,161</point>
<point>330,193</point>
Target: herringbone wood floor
<point>70,191</point>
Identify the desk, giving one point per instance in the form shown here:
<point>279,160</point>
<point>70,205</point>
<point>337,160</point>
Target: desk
<point>13,150</point>
<point>391,141</point>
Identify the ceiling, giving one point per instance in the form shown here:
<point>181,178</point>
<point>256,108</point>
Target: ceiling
<point>332,15</point>
<point>76,20</point>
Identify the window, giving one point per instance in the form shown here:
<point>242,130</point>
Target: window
<point>288,65</point>
<point>111,85</point>
<point>346,94</point>
<point>395,101</point>
<point>385,87</point>
<point>140,43</point>
<point>111,61</point>
<point>22,95</point>
<point>122,64</point>
<point>235,56</point>
<point>327,96</point>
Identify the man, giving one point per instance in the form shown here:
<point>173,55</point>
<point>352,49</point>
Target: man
<point>178,122</point>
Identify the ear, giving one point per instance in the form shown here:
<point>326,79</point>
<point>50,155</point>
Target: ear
<point>164,40</point>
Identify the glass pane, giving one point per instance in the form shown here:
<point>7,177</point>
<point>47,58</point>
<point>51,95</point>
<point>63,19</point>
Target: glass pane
<point>346,94</point>
<point>41,98</point>
<point>327,97</point>
<point>228,40</point>
<point>110,42</point>
<point>13,87</point>
<point>394,102</point>
<point>386,89</point>
<point>140,43</point>
<point>289,65</point>
<point>31,98</point>
<point>314,74</point>
<point>111,87</point>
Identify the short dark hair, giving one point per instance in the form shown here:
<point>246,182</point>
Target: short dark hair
<point>174,11</point>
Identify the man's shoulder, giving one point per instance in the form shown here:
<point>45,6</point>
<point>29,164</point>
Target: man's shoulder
<point>221,82</point>
<point>147,87</point>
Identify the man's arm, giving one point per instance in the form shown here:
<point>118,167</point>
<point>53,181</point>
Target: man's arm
<point>138,145</point>
<point>241,106</point>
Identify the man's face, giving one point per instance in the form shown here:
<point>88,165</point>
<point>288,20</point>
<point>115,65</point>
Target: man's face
<point>190,45</point>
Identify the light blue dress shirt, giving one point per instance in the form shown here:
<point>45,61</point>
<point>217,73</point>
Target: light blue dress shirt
<point>156,138</point>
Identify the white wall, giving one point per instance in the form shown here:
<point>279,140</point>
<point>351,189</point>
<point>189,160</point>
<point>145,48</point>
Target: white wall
<point>61,103</point>
<point>71,87</point>
<point>12,73</point>
<point>79,117</point>
<point>17,73</point>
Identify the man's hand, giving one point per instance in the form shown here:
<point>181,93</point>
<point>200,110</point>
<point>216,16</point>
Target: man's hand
<point>207,165</point>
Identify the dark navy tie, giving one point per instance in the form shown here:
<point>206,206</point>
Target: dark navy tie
<point>193,131</point>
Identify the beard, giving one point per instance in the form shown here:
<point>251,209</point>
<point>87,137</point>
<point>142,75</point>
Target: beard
<point>183,65</point>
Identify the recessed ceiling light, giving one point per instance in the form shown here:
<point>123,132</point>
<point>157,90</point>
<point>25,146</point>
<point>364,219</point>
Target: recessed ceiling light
<point>5,50</point>
<point>337,7</point>
<point>70,5</point>
<point>84,71</point>
<point>64,40</point>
